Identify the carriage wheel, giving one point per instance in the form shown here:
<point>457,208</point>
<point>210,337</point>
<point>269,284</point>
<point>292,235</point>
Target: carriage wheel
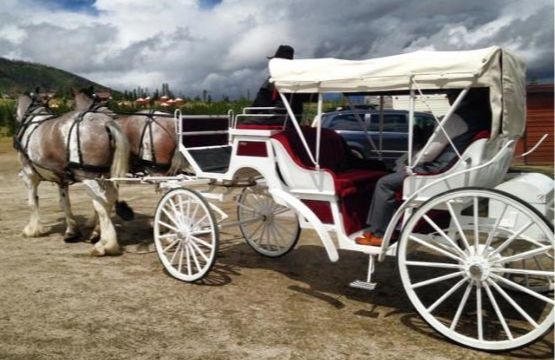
<point>467,275</point>
<point>185,234</point>
<point>270,229</point>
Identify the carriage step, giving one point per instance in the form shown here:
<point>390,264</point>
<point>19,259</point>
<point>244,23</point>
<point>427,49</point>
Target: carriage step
<point>364,285</point>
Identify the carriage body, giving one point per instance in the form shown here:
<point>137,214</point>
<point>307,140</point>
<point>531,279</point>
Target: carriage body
<point>299,174</point>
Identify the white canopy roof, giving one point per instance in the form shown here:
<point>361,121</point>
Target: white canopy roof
<point>492,67</point>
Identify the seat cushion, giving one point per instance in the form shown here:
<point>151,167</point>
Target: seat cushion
<point>354,187</point>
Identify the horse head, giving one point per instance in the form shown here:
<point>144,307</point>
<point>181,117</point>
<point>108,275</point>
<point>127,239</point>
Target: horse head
<point>84,98</point>
<point>24,102</point>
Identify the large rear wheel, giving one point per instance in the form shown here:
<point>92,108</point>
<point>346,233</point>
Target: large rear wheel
<point>475,272</point>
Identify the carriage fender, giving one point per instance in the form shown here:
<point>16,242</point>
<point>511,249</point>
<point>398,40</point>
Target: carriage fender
<point>302,209</point>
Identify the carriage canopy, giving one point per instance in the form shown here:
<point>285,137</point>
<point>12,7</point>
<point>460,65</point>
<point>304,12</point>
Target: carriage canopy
<point>493,67</point>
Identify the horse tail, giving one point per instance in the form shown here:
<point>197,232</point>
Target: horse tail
<point>178,164</point>
<point>120,161</point>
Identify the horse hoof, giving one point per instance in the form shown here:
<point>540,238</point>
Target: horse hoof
<point>33,231</point>
<point>72,237</point>
<point>112,251</point>
<point>94,238</point>
<point>98,251</point>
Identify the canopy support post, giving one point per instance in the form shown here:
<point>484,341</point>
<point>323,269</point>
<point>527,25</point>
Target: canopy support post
<point>411,121</point>
<point>298,129</point>
<point>380,145</point>
<point>319,126</point>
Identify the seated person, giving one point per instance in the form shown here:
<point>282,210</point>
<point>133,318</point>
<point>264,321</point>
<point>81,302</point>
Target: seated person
<point>472,116</point>
<point>268,96</point>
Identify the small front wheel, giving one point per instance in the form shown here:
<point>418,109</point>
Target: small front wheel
<point>185,234</point>
<point>271,229</point>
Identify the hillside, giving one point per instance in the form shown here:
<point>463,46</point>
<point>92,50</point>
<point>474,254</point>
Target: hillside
<point>19,76</point>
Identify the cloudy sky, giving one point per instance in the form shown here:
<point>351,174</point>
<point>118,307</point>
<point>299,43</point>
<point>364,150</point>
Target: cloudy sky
<point>222,46</point>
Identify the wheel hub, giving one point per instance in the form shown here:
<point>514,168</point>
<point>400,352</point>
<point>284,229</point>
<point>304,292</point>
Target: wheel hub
<point>477,268</point>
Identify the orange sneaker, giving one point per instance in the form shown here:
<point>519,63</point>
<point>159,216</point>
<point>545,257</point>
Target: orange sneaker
<point>369,239</point>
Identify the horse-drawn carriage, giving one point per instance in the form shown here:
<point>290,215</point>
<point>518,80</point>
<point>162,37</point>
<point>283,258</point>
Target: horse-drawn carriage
<point>476,262</point>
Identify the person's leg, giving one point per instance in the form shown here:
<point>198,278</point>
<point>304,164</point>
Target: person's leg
<point>383,202</point>
<point>382,207</point>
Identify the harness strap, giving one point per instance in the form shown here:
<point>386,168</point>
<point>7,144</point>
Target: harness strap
<point>153,163</point>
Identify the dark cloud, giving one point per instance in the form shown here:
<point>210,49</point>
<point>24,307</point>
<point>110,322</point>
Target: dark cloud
<point>222,46</point>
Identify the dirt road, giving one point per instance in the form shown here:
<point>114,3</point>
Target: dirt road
<point>57,302</point>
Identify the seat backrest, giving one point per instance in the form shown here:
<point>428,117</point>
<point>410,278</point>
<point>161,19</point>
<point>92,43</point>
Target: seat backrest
<point>205,131</point>
<point>333,155</point>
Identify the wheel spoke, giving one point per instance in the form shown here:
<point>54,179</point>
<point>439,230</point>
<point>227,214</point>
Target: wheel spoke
<point>479,311</point>
<point>168,226</point>
<point>174,255</point>
<point>180,263</point>
<point>498,312</point>
<point>279,235</point>
<point>458,225</point>
<point>435,248</point>
<point>201,232</point>
<point>437,279</point>
<point>444,235</point>
<point>524,255</point>
<point>461,307</point>
<point>199,222</point>
<point>434,264</point>
<point>194,256</point>
<point>476,230</point>
<point>248,208</point>
<point>281,211</point>
<point>510,239</point>
<point>510,300</point>
<point>446,295</point>
<point>188,260</point>
<point>257,229</point>
<point>170,216</point>
<point>200,241</point>
<point>523,289</point>
<point>524,272</point>
<point>172,244</point>
<point>175,211</point>
<point>167,235</point>
<point>192,217</point>
<point>195,246</point>
<point>492,232</point>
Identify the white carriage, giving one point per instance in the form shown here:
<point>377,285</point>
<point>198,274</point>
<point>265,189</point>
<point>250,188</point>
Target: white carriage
<point>476,262</point>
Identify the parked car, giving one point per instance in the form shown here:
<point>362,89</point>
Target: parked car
<point>394,132</point>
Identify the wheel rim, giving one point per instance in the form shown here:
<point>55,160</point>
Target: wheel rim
<point>269,228</point>
<point>471,278</point>
<point>185,234</point>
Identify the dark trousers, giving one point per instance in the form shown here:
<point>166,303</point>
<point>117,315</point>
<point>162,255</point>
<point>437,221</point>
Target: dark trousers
<point>383,202</point>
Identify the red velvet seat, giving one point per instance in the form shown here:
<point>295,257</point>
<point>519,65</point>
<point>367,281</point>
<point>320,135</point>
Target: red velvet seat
<point>354,187</point>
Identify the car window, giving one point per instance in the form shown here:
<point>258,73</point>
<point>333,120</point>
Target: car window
<point>344,122</point>
<point>391,123</point>
<point>424,121</point>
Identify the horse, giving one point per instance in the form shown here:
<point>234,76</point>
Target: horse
<point>79,146</point>
<point>151,135</point>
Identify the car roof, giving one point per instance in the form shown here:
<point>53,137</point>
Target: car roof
<point>374,111</point>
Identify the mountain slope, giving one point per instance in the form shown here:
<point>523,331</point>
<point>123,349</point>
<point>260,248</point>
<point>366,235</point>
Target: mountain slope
<point>19,76</point>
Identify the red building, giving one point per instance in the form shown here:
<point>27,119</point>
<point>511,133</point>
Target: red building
<point>539,103</point>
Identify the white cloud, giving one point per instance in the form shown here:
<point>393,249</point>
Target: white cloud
<point>126,43</point>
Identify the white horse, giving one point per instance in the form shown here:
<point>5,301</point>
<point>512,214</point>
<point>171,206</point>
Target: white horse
<point>79,146</point>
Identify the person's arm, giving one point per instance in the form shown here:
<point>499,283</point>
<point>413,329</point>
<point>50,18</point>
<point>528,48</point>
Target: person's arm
<point>455,126</point>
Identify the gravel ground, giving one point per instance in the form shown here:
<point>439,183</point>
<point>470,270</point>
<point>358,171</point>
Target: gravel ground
<point>57,302</point>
